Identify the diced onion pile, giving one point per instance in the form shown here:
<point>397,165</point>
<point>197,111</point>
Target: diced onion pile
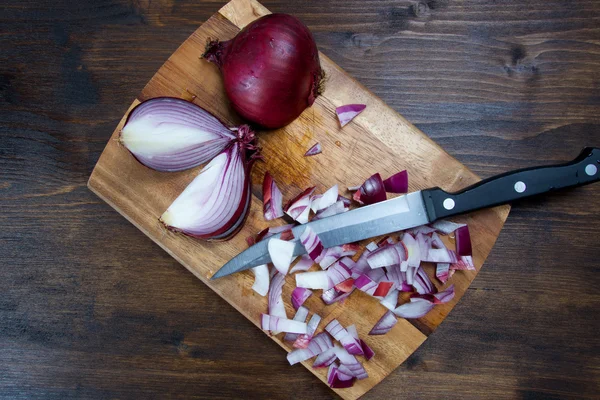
<point>389,270</point>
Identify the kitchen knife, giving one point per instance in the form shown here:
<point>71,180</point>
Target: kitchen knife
<point>426,206</point>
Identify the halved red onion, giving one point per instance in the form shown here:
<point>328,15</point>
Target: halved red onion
<point>367,351</point>
<point>385,324</point>
<point>301,314</point>
<point>325,359</point>
<point>422,283</point>
<point>299,296</point>
<point>463,241</point>
<point>463,263</point>
<point>282,253</point>
<point>276,324</point>
<point>446,227</point>
<point>299,207</point>
<point>321,202</point>
<point>169,134</point>
<point>397,183</point>
<point>383,289</point>
<point>313,280</point>
<point>417,308</point>
<point>317,345</point>
<point>276,306</point>
<point>216,203</point>
<point>303,264</point>
<point>314,150</point>
<point>336,208</point>
<point>391,300</point>
<point>441,271</point>
<point>444,296</point>
<point>303,340</point>
<point>388,255</point>
<point>261,279</point>
<point>272,199</point>
<point>372,191</point>
<point>347,112</point>
<point>312,244</point>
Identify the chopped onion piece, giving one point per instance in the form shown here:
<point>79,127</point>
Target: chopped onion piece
<point>367,351</point>
<point>424,229</point>
<point>385,324</point>
<point>413,250</point>
<point>336,329</point>
<point>424,243</point>
<point>347,112</point>
<point>372,246</point>
<point>441,271</point>
<point>281,252</point>
<point>371,192</point>
<point>437,242</point>
<point>417,308</point>
<point>446,227</point>
<point>444,296</point>
<point>388,255</point>
<point>441,256</point>
<point>385,241</point>
<point>365,284</point>
<point>331,372</point>
<point>303,264</point>
<point>272,199</point>
<point>314,150</point>
<point>346,201</point>
<point>357,370</point>
<point>273,323</point>
<point>299,296</point>
<point>303,340</point>
<point>333,295</point>
<point>317,345</point>
<point>391,300</point>
<point>343,355</point>
<point>276,306</point>
<point>464,263</point>
<point>361,266</point>
<point>383,289</point>
<point>261,279</point>
<point>338,273</point>
<point>313,280</point>
<point>345,286</point>
<point>324,359</point>
<point>312,244</point>
<point>397,183</point>
<point>299,207</point>
<point>301,314</point>
<point>422,283</point>
<point>336,208</point>
<point>325,200</point>
<point>341,381</point>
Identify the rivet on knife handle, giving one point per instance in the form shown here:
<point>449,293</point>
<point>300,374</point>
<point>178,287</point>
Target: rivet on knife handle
<point>514,185</point>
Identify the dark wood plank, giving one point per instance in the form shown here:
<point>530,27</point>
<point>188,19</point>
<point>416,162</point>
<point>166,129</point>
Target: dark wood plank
<point>499,85</point>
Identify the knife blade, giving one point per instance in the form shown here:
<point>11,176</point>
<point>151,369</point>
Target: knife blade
<point>422,207</point>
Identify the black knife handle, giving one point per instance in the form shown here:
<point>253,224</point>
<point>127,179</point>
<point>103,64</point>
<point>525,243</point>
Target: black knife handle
<point>514,185</point>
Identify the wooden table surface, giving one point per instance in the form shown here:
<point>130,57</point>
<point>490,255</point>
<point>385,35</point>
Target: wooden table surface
<point>91,308</point>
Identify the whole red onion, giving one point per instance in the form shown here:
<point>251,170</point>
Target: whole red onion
<point>271,69</point>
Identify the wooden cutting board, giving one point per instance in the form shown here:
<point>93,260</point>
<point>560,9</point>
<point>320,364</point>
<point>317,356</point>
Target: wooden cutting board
<point>378,140</point>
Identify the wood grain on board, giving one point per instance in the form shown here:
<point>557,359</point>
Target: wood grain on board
<point>379,140</point>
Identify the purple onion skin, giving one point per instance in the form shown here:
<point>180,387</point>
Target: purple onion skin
<point>271,69</point>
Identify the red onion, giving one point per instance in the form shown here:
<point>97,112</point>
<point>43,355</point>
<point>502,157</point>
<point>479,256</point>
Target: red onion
<point>422,283</point>
<point>325,359</point>
<point>216,203</point>
<point>322,201</point>
<point>336,208</point>
<point>317,345</point>
<point>272,199</point>
<point>463,263</point>
<point>372,191</point>
<point>367,351</point>
<point>312,244</point>
<point>313,280</point>
<point>345,286</point>
<point>388,255</point>
<point>397,183</point>
<point>169,134</point>
<point>385,324</point>
<point>391,300</point>
<point>444,296</point>
<point>347,113</point>
<point>446,227</point>
<point>314,150</point>
<point>271,69</point>
<point>303,341</point>
<point>333,295</point>
<point>276,306</point>
<point>365,284</point>
<point>441,271</point>
<point>463,241</point>
<point>383,289</point>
